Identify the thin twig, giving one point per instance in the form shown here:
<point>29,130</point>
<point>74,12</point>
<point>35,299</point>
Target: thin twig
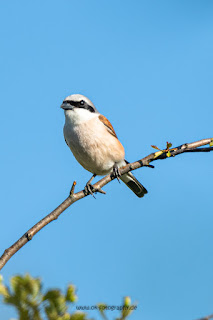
<point>73,188</point>
<point>73,197</point>
<point>207,317</point>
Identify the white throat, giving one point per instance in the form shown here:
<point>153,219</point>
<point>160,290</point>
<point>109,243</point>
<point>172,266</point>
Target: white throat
<point>78,116</point>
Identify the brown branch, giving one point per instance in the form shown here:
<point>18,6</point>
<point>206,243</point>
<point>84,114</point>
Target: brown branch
<point>73,197</point>
<point>207,317</point>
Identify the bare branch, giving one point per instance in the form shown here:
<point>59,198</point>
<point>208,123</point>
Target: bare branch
<point>207,317</point>
<point>73,197</point>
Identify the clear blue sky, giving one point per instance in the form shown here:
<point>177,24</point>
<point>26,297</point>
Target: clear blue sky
<point>148,67</point>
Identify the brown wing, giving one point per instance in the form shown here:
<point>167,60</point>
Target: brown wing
<point>106,122</point>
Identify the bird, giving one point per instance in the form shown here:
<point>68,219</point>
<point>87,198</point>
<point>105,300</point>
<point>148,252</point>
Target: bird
<point>94,143</point>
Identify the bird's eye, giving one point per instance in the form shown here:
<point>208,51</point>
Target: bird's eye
<point>82,102</point>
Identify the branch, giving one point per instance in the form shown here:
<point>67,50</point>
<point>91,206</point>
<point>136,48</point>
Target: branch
<point>207,317</point>
<point>73,197</point>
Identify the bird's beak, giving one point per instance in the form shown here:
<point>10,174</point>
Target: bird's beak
<point>66,106</point>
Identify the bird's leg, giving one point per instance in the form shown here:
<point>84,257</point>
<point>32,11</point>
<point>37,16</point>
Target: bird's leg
<point>90,180</point>
<point>89,189</point>
<point>116,172</point>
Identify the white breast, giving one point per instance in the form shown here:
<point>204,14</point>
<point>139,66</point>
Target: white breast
<point>90,142</point>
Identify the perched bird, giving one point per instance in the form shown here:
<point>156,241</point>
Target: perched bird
<point>94,143</point>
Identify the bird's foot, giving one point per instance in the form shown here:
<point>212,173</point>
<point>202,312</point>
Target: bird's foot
<point>90,189</point>
<point>116,172</point>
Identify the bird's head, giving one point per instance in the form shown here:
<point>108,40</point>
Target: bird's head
<point>78,108</point>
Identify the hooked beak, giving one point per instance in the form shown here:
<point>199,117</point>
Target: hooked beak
<point>66,105</point>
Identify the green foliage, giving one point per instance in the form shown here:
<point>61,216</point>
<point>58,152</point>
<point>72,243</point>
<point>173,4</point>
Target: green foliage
<point>127,308</point>
<point>102,307</point>
<point>26,296</point>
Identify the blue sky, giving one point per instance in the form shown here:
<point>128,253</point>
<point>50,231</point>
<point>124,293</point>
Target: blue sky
<point>147,66</point>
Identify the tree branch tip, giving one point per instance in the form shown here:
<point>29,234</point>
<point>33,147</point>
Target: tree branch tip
<point>149,166</point>
<point>206,318</point>
<point>72,188</point>
<point>100,190</point>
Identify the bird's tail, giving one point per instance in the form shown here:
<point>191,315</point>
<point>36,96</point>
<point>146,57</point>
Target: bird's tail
<point>134,184</point>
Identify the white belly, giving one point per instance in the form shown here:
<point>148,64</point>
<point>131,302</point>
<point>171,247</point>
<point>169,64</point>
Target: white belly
<point>96,152</point>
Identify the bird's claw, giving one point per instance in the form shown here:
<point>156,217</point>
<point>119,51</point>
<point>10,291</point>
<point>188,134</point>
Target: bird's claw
<point>116,173</point>
<point>90,189</point>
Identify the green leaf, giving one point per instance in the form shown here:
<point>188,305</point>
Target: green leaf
<point>66,316</point>
<point>102,307</point>
<point>52,295</point>
<point>168,154</point>
<point>128,308</point>
<point>168,145</point>
<point>3,290</point>
<point>127,301</point>
<point>211,143</point>
<point>57,302</point>
<point>70,294</point>
<point>15,283</point>
<point>78,316</point>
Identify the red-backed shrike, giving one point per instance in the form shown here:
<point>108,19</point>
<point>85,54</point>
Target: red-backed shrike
<point>94,143</point>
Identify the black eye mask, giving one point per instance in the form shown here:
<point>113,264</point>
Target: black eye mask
<point>80,104</point>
